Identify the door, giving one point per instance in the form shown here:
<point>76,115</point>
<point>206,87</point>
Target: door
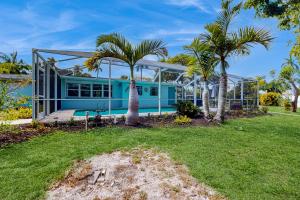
<point>171,95</point>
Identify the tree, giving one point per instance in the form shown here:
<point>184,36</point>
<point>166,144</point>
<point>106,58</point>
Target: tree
<point>181,59</point>
<point>286,11</point>
<point>203,62</point>
<point>226,44</point>
<point>291,74</point>
<point>78,71</point>
<point>11,65</point>
<point>117,46</point>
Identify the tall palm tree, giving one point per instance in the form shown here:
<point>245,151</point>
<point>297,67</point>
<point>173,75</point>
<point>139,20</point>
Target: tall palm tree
<point>226,44</point>
<point>117,46</point>
<point>204,63</point>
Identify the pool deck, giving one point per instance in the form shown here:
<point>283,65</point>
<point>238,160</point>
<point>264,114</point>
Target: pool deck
<point>67,115</point>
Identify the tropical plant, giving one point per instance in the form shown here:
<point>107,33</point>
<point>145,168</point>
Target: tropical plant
<point>226,44</point>
<point>291,74</point>
<point>203,63</point>
<point>117,46</point>
<point>11,65</point>
<point>187,108</point>
<point>182,120</point>
<point>270,99</point>
<point>286,104</point>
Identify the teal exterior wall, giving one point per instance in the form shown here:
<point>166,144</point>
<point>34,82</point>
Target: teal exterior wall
<point>120,92</point>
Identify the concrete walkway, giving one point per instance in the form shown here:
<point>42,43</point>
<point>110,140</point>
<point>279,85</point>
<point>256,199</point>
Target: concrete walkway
<point>17,122</point>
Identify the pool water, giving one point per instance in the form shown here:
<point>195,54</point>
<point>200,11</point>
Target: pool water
<point>80,113</point>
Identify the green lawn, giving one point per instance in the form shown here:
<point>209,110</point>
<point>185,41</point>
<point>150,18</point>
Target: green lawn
<point>281,110</point>
<point>256,158</point>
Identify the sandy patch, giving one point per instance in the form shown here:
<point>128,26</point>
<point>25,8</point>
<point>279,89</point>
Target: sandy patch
<point>138,174</point>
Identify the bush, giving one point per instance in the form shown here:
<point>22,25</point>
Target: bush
<point>36,124</point>
<point>264,109</point>
<point>20,113</point>
<point>187,108</point>
<point>287,105</point>
<point>181,120</point>
<point>270,99</point>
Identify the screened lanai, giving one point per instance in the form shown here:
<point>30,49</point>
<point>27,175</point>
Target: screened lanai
<point>63,86</point>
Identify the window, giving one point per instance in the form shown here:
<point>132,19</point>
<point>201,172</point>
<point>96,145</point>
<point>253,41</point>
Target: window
<point>85,90</point>
<point>139,90</point>
<point>153,91</point>
<point>97,90</point>
<point>106,92</point>
<point>73,89</point>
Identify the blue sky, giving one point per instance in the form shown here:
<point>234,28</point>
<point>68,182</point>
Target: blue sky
<point>75,24</point>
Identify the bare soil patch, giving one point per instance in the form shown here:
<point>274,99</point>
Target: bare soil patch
<point>138,174</point>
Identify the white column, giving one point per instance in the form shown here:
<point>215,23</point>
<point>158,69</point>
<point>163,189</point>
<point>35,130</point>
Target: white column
<point>257,98</point>
<point>195,89</point>
<point>55,90</point>
<point>38,85</point>
<point>242,92</point>
<point>44,90</point>
<point>234,96</point>
<point>109,89</point>
<point>33,82</point>
<point>48,89</point>
<point>159,91</point>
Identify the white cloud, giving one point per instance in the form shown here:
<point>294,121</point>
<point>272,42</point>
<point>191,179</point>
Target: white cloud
<point>161,33</point>
<point>189,3</point>
<point>29,27</point>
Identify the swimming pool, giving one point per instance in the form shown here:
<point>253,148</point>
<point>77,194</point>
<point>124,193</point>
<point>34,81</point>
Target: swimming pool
<point>80,113</point>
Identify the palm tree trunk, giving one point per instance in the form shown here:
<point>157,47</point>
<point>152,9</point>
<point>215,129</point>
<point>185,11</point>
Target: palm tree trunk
<point>222,94</point>
<point>295,100</point>
<point>132,118</point>
<point>205,100</point>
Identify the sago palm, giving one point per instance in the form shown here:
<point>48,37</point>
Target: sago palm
<point>226,44</point>
<point>116,46</point>
<point>204,63</point>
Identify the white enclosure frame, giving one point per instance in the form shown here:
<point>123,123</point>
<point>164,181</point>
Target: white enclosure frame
<point>39,63</point>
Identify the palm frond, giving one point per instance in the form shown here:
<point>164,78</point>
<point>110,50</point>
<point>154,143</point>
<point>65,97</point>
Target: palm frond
<point>149,47</point>
<point>247,37</point>
<point>117,40</point>
<point>226,14</point>
<point>204,61</point>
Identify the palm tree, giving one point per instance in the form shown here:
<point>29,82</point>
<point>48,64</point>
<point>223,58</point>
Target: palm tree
<point>290,72</point>
<point>226,44</point>
<point>203,63</point>
<point>16,66</point>
<point>291,62</point>
<point>117,46</point>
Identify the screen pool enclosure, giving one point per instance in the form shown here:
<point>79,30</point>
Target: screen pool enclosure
<point>62,83</point>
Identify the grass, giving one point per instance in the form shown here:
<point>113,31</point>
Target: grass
<point>256,158</point>
<point>281,110</point>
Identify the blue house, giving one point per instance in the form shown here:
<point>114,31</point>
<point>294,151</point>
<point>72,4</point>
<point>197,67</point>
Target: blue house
<point>93,93</point>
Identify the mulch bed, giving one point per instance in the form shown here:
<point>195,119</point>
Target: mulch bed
<point>16,134</point>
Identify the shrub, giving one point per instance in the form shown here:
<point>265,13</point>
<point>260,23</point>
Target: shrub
<point>35,124</point>
<point>20,113</point>
<point>287,105</point>
<point>187,108</point>
<point>72,121</point>
<point>181,120</point>
<point>264,109</point>
<point>270,99</point>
